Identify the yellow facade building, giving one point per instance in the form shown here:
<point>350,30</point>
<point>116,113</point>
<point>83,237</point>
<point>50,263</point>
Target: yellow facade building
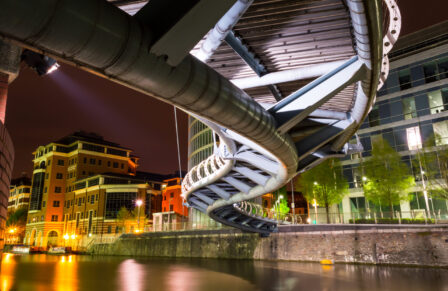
<point>19,194</point>
<point>73,181</point>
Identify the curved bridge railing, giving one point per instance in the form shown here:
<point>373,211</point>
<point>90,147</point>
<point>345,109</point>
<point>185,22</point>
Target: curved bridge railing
<point>257,150</point>
<point>238,170</point>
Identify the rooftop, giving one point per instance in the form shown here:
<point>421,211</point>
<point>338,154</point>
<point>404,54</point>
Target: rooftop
<point>87,137</point>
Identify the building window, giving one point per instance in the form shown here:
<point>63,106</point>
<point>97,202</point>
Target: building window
<point>409,110</point>
<point>79,201</point>
<point>117,230</point>
<point>374,117</point>
<point>60,162</point>
<point>56,203</point>
<point>441,132</point>
<point>99,162</point>
<point>404,78</point>
<point>122,165</point>
<point>443,68</point>
<point>171,207</point>
<point>108,163</point>
<point>59,175</point>
<point>42,218</point>
<point>46,176</point>
<point>44,203</point>
<point>109,229</point>
<point>45,190</point>
<point>92,199</point>
<point>438,101</point>
<point>71,175</point>
<point>96,197</point>
<point>83,172</point>
<point>430,72</point>
<point>49,162</point>
<point>92,161</point>
<point>115,165</point>
<point>54,218</point>
<point>85,160</point>
<point>116,200</point>
<point>57,189</point>
<point>414,138</point>
<point>172,195</point>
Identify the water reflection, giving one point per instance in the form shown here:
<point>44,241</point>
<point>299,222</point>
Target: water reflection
<point>131,275</point>
<point>73,273</point>
<point>7,274</point>
<point>65,275</point>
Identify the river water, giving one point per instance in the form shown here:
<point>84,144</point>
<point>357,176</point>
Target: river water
<point>71,273</point>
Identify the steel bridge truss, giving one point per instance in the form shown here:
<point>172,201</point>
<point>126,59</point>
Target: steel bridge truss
<point>258,148</point>
<point>240,170</point>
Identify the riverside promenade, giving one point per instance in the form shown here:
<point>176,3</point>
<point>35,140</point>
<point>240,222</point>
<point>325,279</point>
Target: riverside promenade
<point>412,245</point>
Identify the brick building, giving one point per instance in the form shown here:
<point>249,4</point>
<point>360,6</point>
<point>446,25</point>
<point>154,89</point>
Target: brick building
<point>79,183</point>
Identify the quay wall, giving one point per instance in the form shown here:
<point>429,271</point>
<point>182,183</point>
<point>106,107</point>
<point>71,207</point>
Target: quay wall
<point>365,244</point>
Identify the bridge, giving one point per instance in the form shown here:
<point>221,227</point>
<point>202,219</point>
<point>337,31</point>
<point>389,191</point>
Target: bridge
<point>283,84</point>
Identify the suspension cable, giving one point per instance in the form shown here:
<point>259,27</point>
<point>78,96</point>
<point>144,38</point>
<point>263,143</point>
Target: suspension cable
<point>177,141</point>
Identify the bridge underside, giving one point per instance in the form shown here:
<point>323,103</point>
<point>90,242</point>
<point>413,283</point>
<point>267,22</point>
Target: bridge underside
<point>283,84</point>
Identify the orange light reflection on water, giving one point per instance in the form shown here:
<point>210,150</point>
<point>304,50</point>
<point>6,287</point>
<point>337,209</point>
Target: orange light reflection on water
<point>66,271</point>
<point>8,267</point>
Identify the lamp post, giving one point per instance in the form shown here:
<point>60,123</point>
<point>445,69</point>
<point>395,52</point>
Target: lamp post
<point>139,203</point>
<point>315,203</point>
<point>414,142</point>
<point>277,203</point>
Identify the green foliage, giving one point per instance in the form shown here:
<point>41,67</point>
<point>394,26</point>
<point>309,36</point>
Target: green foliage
<point>282,207</point>
<point>392,221</point>
<point>123,215</point>
<point>388,180</point>
<point>17,217</point>
<point>325,183</point>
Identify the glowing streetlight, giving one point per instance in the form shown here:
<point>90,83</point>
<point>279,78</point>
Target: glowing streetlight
<point>364,178</point>
<point>73,236</point>
<point>66,237</point>
<point>139,203</point>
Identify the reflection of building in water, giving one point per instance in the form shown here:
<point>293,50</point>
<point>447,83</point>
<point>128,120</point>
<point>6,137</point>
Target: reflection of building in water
<point>411,109</point>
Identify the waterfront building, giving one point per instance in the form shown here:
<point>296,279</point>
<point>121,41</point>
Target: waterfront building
<point>411,108</point>
<point>79,183</point>
<point>174,212</point>
<point>19,193</point>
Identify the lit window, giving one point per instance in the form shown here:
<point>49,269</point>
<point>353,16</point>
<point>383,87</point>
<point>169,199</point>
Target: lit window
<point>441,132</point>
<point>414,138</point>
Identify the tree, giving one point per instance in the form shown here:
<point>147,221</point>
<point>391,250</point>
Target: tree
<point>281,203</point>
<point>388,181</point>
<point>122,216</point>
<point>17,217</point>
<point>325,183</point>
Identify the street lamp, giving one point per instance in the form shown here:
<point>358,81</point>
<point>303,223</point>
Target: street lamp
<point>277,203</point>
<point>315,203</point>
<point>139,203</point>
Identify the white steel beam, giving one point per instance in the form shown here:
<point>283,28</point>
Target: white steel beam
<point>306,72</point>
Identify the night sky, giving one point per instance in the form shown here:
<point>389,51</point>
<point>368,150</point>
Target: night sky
<point>43,109</point>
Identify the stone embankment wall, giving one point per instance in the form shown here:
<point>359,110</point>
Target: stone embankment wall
<point>408,245</point>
